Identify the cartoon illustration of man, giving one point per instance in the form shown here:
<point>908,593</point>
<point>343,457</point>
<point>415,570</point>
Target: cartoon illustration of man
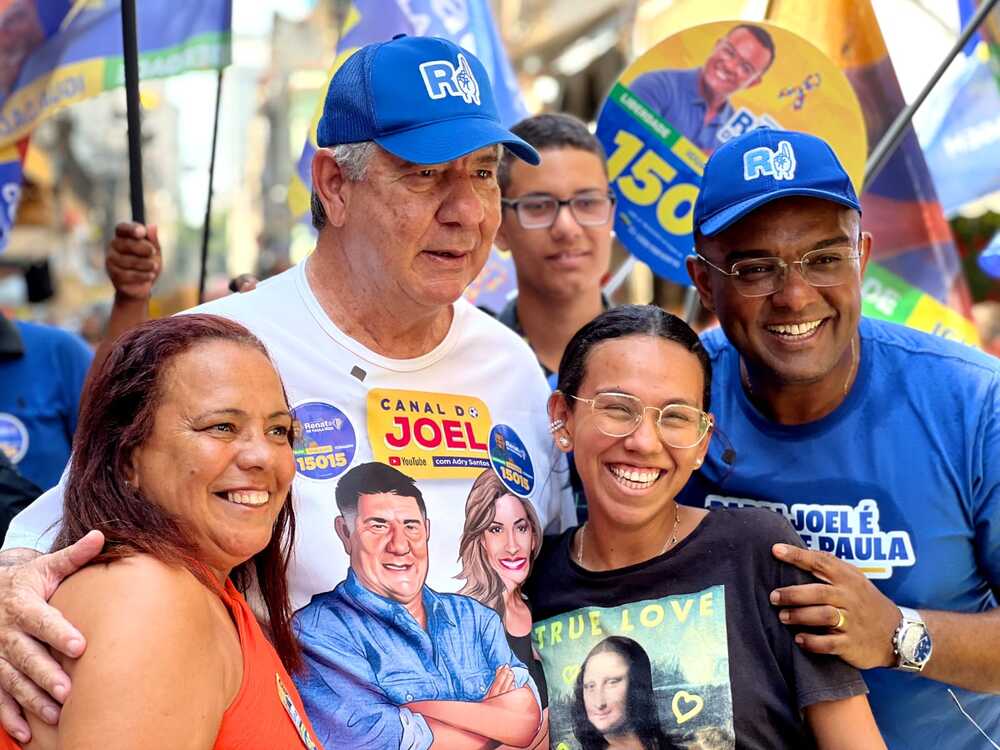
<point>391,663</point>
<point>696,100</point>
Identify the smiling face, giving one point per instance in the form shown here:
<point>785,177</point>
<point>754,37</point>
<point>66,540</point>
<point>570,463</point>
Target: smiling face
<point>420,234</point>
<point>801,334</point>
<point>605,692</point>
<point>509,542</point>
<point>218,457</point>
<point>630,480</point>
<point>388,545</point>
<point>566,258</point>
<point>737,62</point>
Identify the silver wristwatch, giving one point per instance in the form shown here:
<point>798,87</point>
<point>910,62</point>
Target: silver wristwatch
<point>911,642</point>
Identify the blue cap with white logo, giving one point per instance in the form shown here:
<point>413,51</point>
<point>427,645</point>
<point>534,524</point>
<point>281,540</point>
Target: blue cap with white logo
<point>424,99</point>
<point>763,165</point>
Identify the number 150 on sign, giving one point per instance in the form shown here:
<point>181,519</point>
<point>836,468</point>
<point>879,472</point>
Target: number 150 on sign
<point>651,180</point>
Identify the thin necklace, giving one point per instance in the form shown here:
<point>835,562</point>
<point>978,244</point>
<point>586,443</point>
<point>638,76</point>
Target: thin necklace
<point>670,542</point>
<point>745,376</point>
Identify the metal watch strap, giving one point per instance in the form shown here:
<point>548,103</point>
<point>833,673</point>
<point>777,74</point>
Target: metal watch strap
<point>908,617</point>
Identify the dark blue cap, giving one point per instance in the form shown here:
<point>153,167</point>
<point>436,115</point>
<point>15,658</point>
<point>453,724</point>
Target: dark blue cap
<point>423,99</point>
<point>763,165</point>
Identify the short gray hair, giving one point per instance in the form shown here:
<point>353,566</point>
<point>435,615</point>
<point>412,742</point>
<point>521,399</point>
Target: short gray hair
<point>353,159</point>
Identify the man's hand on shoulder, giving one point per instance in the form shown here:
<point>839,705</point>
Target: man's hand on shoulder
<point>29,677</point>
<point>860,619</point>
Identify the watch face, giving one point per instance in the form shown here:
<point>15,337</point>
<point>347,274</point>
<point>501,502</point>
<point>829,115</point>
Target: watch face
<point>923,650</point>
<point>915,645</point>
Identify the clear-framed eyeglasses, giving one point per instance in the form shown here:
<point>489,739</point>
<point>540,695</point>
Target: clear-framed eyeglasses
<point>540,211</point>
<point>620,414</point>
<point>759,277</point>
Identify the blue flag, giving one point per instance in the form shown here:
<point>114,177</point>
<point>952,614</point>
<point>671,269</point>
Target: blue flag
<point>963,147</point>
<point>989,258</point>
<point>59,52</point>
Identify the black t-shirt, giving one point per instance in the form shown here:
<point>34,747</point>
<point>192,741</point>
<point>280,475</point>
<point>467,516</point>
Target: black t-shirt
<point>711,664</point>
<point>521,646</point>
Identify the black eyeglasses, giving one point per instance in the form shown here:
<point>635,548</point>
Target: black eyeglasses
<point>540,211</point>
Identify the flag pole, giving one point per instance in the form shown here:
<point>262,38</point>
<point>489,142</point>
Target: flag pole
<point>206,230</point>
<point>881,153</point>
<point>130,50</point>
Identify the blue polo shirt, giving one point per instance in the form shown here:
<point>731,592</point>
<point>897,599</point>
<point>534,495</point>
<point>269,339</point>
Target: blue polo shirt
<point>674,96</point>
<point>902,480</point>
<point>42,370</point>
<point>366,657</point>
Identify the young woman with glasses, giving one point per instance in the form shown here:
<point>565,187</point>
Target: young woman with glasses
<point>690,586</point>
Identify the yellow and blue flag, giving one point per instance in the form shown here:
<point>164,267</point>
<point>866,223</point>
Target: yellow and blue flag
<point>54,53</point>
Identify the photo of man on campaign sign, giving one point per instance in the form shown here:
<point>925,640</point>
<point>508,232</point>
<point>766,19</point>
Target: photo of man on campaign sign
<point>696,90</point>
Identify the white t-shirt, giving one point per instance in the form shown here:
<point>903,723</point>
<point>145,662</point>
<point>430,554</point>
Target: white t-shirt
<point>478,399</point>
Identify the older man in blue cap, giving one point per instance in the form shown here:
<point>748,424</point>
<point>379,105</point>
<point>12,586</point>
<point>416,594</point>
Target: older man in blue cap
<point>879,443</point>
<point>382,359</point>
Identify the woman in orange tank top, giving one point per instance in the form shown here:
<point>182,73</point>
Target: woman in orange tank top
<point>183,460</point>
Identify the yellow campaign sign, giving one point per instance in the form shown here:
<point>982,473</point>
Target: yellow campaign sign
<point>429,435</point>
<point>696,90</point>
<point>802,89</point>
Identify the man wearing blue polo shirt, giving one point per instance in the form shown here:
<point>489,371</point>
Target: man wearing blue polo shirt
<point>42,371</point>
<point>879,443</point>
<point>696,101</point>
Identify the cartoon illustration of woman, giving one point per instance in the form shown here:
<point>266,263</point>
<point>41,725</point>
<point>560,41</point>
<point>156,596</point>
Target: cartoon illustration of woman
<point>500,541</point>
<point>614,700</point>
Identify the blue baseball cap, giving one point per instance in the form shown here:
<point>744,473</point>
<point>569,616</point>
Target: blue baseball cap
<point>763,165</point>
<point>424,99</point>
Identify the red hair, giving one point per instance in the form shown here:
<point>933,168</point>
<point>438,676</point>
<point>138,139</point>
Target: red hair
<point>117,415</point>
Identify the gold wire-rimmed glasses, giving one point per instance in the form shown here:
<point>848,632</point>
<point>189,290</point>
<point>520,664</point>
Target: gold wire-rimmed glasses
<point>759,277</point>
<point>620,414</point>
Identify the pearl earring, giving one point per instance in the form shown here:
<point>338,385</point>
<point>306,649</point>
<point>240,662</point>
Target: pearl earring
<point>556,425</point>
<point>564,441</point>
<point>697,463</point>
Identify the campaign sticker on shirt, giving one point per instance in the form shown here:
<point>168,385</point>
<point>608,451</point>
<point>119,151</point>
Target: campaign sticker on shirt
<point>325,442</point>
<point>690,93</point>
<point>13,437</point>
<point>293,714</point>
<point>429,435</point>
<point>510,460</point>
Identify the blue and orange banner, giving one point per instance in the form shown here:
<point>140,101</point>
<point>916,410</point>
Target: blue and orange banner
<point>69,51</point>
<point>469,24</point>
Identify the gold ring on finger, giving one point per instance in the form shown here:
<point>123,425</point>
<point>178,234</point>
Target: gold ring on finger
<point>841,619</point>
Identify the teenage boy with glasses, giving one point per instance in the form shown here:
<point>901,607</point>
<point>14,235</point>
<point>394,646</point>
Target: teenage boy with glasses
<point>556,223</point>
<point>881,444</point>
